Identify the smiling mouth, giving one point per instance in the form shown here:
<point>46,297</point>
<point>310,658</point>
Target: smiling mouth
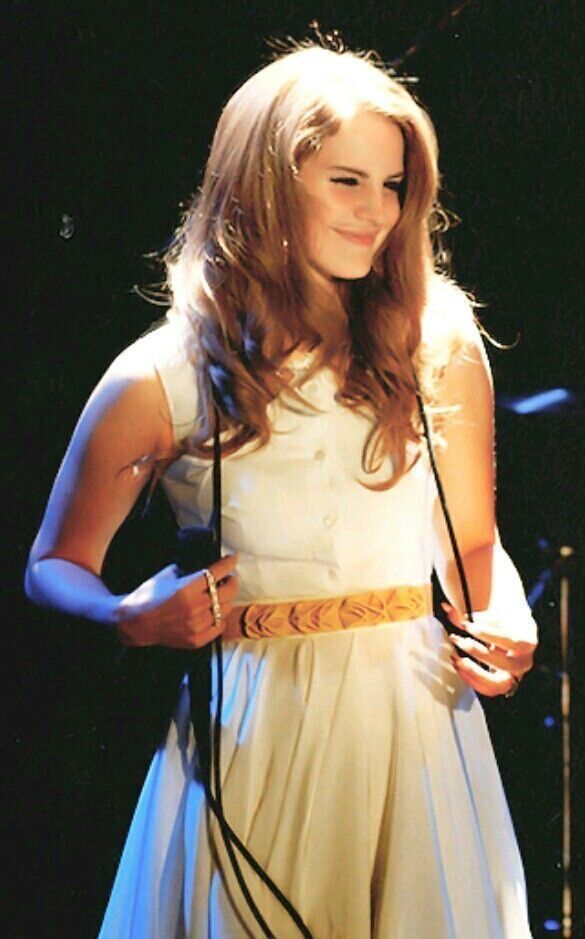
<point>365,240</point>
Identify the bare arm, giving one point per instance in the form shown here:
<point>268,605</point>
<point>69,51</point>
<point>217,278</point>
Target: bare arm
<point>467,470</point>
<point>126,416</point>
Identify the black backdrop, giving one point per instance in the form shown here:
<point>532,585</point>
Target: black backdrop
<point>112,108</point>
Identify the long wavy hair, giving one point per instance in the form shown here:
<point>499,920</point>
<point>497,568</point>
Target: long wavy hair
<point>238,268</point>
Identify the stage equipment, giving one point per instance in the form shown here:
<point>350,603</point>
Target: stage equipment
<point>566,402</point>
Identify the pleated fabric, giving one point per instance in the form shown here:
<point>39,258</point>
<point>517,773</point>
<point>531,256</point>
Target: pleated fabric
<point>358,769</point>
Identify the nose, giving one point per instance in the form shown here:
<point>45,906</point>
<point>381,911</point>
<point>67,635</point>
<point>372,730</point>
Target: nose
<point>371,206</point>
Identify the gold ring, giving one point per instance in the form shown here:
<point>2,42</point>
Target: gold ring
<point>514,688</point>
<point>212,588</point>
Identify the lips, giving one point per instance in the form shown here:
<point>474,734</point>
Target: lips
<point>366,239</point>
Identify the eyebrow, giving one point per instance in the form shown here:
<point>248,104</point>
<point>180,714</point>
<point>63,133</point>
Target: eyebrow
<point>362,175</point>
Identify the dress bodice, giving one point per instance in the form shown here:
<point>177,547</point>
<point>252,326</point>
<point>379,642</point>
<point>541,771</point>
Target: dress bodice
<point>297,511</point>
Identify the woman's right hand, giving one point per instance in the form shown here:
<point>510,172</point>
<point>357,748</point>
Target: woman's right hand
<point>176,612</point>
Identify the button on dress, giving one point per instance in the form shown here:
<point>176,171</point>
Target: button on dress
<point>357,765</point>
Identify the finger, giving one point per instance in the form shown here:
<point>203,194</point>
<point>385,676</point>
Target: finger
<point>489,637</point>
<point>227,590</point>
<point>195,582</point>
<point>220,570</point>
<point>490,684</point>
<point>516,646</point>
<point>195,606</point>
<point>198,611</point>
<point>199,635</point>
<point>207,635</point>
<point>514,664</point>
<point>202,620</point>
<point>454,615</point>
<point>456,618</point>
<point>224,567</point>
<point>202,604</point>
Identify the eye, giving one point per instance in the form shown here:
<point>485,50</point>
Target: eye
<point>394,185</point>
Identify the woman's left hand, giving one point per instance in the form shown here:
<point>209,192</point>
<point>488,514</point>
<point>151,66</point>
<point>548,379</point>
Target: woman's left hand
<point>508,659</point>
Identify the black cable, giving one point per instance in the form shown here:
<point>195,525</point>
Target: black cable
<point>212,782</point>
<point>443,501</point>
<point>216,806</point>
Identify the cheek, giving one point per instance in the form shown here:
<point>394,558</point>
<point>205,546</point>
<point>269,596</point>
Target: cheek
<point>392,214</point>
<point>342,198</point>
<point>320,214</point>
<point>331,206</point>
<point>326,213</point>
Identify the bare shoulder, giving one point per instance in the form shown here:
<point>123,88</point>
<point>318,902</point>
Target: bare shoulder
<point>130,395</point>
<point>449,321</point>
<point>127,418</point>
<point>155,377</point>
<point>453,354</point>
<point>143,358</point>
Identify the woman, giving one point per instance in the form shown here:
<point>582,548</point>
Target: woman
<point>356,763</point>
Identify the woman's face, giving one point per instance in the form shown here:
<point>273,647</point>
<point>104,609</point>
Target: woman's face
<point>350,195</point>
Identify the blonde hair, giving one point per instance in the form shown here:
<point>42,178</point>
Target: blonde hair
<point>239,272</point>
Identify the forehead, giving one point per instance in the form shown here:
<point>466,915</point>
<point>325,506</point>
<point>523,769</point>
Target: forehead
<point>366,141</point>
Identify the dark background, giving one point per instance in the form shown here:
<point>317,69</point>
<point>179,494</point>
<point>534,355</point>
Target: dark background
<point>112,107</point>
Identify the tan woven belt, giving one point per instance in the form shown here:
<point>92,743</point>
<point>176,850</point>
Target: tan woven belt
<point>332,614</point>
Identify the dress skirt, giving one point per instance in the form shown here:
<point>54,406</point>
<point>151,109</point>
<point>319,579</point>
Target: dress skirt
<point>358,769</point>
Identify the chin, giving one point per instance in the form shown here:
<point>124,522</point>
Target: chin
<point>356,273</point>
<point>343,273</point>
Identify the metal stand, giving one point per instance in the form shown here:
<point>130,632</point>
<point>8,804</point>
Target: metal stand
<point>565,553</point>
<point>561,563</point>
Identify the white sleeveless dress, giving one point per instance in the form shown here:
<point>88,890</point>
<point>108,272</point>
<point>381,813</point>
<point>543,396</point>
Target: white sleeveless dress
<point>356,766</point>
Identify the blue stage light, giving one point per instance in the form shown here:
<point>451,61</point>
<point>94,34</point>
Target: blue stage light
<point>541,401</point>
<point>549,721</point>
<point>552,925</point>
